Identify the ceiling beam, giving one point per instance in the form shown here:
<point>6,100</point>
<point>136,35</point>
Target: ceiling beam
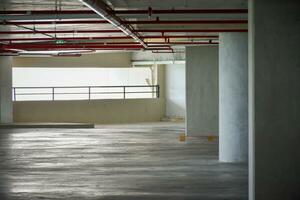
<point>88,14</point>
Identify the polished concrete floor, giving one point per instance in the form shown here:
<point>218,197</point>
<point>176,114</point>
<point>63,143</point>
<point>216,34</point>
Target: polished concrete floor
<point>132,162</point>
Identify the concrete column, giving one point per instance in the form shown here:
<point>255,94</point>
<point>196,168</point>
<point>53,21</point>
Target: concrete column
<point>202,90</point>
<point>233,97</point>
<point>274,99</point>
<point>6,111</point>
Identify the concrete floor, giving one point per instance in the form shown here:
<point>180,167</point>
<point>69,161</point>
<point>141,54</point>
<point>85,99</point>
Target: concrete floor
<point>46,125</point>
<point>131,162</point>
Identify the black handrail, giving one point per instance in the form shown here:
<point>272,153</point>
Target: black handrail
<point>52,92</point>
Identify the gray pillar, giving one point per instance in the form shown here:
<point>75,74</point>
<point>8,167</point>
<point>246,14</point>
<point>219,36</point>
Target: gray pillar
<point>6,110</point>
<point>202,90</point>
<point>233,97</point>
<point>274,99</point>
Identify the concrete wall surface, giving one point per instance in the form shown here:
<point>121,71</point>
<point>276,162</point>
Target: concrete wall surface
<point>6,115</point>
<point>93,60</point>
<point>202,93</point>
<point>175,90</point>
<point>95,111</point>
<point>156,57</point>
<point>274,99</point>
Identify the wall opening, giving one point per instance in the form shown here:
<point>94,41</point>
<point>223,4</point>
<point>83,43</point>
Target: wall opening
<point>48,84</point>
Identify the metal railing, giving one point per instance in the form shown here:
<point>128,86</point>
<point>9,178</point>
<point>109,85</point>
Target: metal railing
<point>85,92</point>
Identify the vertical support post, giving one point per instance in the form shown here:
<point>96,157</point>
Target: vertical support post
<point>15,96</point>
<point>89,92</point>
<point>157,91</point>
<point>53,94</point>
<point>6,105</point>
<point>124,92</point>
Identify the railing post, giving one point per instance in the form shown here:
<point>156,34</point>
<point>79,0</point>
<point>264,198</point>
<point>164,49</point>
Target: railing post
<point>89,92</point>
<point>124,92</point>
<point>53,94</point>
<point>157,91</point>
<point>14,92</point>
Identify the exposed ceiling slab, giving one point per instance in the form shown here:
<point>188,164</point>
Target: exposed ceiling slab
<point>166,25</point>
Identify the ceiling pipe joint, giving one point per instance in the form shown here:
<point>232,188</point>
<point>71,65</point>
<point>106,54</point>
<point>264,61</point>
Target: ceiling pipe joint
<point>105,12</point>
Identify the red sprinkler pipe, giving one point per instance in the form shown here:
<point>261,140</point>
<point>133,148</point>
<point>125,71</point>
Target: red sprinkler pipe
<point>153,44</point>
<point>119,31</point>
<point>189,30</point>
<point>68,46</point>
<point>108,38</point>
<point>175,22</point>
<point>48,22</point>
<point>75,46</point>
<point>44,12</point>
<point>105,11</point>
<point>184,43</point>
<point>59,31</point>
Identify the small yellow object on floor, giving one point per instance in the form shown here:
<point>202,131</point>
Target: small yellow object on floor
<point>182,137</point>
<point>210,138</point>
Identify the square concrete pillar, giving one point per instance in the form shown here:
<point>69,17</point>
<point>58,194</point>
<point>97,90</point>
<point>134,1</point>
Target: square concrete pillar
<point>233,97</point>
<point>6,105</point>
<point>202,92</point>
<point>274,99</point>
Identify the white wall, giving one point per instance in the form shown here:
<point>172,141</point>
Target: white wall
<point>175,91</point>
<point>95,111</point>
<point>40,77</point>
<point>109,111</point>
<point>117,59</point>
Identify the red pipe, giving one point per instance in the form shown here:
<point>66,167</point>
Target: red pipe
<point>153,44</point>
<point>105,11</point>
<point>44,12</point>
<point>76,46</point>
<point>67,46</point>
<point>63,38</point>
<point>119,31</point>
<point>166,22</point>
<point>128,12</point>
<point>107,38</point>
<point>100,46</point>
<point>189,30</point>
<point>54,22</point>
<point>60,31</point>
<point>183,43</point>
<point>181,36</point>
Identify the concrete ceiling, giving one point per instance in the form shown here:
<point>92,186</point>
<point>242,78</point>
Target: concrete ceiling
<point>167,4</point>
